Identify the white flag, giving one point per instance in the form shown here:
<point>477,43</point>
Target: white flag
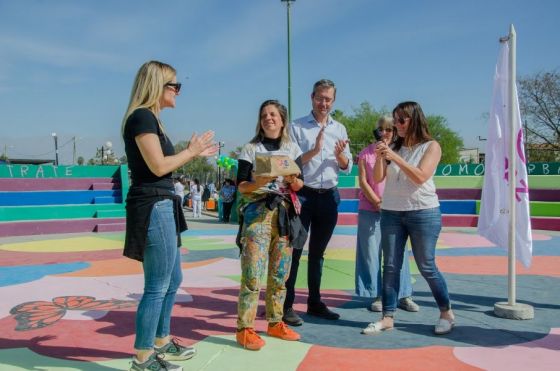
<point>493,222</point>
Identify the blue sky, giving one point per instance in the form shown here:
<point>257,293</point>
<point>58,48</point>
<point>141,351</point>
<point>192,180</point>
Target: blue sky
<point>67,66</point>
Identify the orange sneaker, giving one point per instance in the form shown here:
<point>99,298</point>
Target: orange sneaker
<point>249,339</point>
<point>280,330</point>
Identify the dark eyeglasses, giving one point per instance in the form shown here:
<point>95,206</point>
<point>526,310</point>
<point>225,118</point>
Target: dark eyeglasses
<point>400,120</point>
<point>388,130</point>
<point>175,85</point>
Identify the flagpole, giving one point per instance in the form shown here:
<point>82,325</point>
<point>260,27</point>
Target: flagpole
<point>512,166</point>
<point>512,309</point>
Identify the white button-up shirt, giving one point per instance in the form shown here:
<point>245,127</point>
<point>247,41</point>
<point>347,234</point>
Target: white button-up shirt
<point>322,170</point>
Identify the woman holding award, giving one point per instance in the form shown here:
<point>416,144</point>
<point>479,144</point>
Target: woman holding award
<point>268,177</point>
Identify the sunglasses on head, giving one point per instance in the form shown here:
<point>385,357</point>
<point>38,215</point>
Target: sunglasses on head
<point>174,85</point>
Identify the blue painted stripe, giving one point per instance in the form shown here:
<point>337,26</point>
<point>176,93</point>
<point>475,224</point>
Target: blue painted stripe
<point>55,197</point>
<point>28,273</point>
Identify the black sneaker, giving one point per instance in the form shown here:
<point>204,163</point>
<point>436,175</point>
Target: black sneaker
<point>291,317</point>
<point>154,363</point>
<point>321,310</point>
<point>173,351</point>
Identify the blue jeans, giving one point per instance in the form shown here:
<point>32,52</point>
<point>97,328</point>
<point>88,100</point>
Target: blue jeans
<point>423,227</point>
<point>368,259</point>
<point>162,277</point>
<point>319,214</point>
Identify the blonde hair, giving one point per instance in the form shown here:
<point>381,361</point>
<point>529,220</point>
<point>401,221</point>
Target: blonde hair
<point>148,87</point>
<point>385,122</point>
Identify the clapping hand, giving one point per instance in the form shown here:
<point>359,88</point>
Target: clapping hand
<point>203,144</point>
<point>339,146</point>
<point>319,140</point>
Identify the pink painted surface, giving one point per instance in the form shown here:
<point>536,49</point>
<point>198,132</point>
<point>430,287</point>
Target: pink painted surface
<point>540,354</point>
<point>347,219</point>
<point>349,193</point>
<point>49,184</point>
<point>110,227</point>
<point>35,227</point>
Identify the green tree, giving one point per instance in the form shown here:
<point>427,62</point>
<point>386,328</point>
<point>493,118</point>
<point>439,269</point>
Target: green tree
<point>199,167</point>
<point>359,125</point>
<point>361,122</point>
<point>81,160</point>
<point>450,142</point>
<point>236,152</point>
<point>539,101</point>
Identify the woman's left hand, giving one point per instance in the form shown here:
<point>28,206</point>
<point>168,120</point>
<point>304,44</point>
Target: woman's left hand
<point>384,151</point>
<point>289,179</point>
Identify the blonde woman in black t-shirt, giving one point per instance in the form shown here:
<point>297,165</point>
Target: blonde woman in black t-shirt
<point>154,214</point>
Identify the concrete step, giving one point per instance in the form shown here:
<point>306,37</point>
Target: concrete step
<point>110,227</point>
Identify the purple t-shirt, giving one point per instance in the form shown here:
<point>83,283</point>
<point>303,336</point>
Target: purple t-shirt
<point>368,156</point>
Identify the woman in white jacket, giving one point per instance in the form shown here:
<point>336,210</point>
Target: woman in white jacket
<point>196,197</point>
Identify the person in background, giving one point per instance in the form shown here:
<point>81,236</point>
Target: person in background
<point>154,219</point>
<point>227,193</point>
<point>324,142</point>
<point>179,188</point>
<point>205,197</point>
<point>196,196</point>
<point>410,208</point>
<point>211,187</point>
<point>267,236</point>
<point>368,242</point>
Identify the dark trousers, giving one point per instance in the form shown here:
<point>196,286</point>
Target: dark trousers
<point>226,210</point>
<point>319,214</point>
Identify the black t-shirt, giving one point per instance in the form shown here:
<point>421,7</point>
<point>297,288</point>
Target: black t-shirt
<point>143,121</point>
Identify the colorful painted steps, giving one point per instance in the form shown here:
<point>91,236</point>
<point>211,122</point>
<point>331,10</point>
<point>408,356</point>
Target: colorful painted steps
<point>34,227</point>
<point>537,208</point>
<point>45,212</point>
<point>59,197</point>
<point>46,199</point>
<point>460,195</point>
<point>60,184</point>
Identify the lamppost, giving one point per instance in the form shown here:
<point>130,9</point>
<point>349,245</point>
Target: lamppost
<point>105,151</point>
<point>55,137</point>
<point>288,4</point>
<point>220,146</point>
<point>6,146</point>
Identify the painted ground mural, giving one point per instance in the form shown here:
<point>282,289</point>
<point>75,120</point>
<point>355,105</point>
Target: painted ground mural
<point>68,303</point>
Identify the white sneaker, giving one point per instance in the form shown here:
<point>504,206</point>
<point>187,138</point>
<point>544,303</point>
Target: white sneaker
<point>375,328</point>
<point>376,305</point>
<point>443,326</point>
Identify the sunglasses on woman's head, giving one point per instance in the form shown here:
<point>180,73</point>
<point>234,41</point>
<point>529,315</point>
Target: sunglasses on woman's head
<point>174,85</point>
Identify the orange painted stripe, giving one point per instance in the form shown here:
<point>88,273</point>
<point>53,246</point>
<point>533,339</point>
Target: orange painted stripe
<point>124,266</point>
<point>497,265</point>
<point>434,358</point>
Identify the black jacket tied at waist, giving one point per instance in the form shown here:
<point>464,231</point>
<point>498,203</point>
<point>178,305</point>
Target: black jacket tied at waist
<point>289,223</point>
<point>139,204</point>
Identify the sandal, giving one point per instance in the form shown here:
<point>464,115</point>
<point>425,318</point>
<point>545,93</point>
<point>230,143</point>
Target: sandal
<point>443,326</point>
<point>375,328</point>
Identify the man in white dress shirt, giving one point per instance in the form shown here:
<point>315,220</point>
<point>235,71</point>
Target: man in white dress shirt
<point>324,143</point>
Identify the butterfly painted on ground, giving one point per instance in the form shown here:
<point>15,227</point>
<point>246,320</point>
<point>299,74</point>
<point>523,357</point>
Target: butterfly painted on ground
<point>38,314</point>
